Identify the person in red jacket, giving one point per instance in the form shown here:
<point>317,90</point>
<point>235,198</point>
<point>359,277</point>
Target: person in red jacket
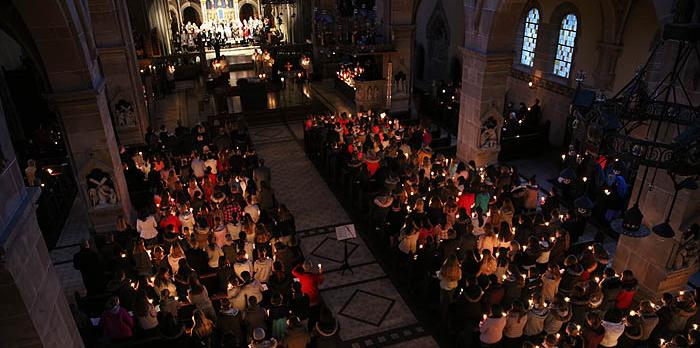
<point>116,322</point>
<point>171,219</point>
<point>310,281</point>
<point>629,288</point>
<point>466,200</point>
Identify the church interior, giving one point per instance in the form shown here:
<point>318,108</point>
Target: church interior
<point>349,173</point>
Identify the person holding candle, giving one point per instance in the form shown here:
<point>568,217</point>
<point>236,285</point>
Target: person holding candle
<point>559,313</point>
<point>309,285</point>
<point>536,316</point>
<point>491,328</point>
<point>614,327</point>
<point>145,313</point>
<point>515,324</point>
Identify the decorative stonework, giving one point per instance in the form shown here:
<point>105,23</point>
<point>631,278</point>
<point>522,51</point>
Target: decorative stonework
<point>100,188</point>
<point>488,134</point>
<point>124,115</point>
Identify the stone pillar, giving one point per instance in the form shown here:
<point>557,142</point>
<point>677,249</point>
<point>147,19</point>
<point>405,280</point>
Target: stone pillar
<point>546,49</point>
<point>34,312</point>
<point>93,146</point>
<point>115,46</point>
<point>484,78</point>
<point>186,101</point>
<point>403,41</point>
<point>652,258</point>
<point>604,74</point>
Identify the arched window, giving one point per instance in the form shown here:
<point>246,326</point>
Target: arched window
<point>532,23</point>
<point>565,46</point>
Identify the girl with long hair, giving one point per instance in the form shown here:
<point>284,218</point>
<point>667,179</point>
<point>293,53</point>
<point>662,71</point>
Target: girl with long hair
<point>202,330</point>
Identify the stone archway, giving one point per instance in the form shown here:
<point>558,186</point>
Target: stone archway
<point>78,92</point>
<point>247,10</point>
<point>438,35</point>
<point>190,15</point>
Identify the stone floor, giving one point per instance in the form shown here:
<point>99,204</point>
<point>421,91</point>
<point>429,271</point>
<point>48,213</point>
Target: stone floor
<point>370,310</point>
<point>74,232</point>
<point>295,180</point>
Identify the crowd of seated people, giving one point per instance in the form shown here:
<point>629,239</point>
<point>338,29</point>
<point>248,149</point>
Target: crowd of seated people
<point>503,264</point>
<point>212,259</point>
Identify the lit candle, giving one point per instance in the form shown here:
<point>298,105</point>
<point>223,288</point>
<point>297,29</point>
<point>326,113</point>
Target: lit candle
<point>633,313</point>
<point>485,316</point>
<point>123,255</point>
<point>567,299</point>
<point>320,268</point>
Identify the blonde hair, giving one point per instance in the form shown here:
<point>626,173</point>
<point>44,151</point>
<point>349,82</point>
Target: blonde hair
<point>451,270</point>
<point>176,250</point>
<point>203,327</point>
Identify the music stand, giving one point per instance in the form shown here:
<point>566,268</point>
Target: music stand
<point>344,233</point>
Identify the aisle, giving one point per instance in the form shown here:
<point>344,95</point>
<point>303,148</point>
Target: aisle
<point>367,305</point>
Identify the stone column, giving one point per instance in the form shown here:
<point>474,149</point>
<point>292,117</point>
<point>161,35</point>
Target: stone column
<point>652,258</point>
<point>484,78</point>
<point>403,41</point>
<point>34,312</point>
<point>604,74</point>
<point>186,101</point>
<point>546,49</point>
<point>115,47</point>
<point>93,146</point>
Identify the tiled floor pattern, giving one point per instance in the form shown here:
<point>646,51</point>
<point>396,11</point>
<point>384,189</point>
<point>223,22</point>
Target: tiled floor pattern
<point>295,180</point>
<point>369,309</point>
<point>330,97</point>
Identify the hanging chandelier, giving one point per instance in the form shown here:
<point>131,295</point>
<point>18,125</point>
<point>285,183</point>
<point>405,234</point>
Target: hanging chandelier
<point>612,127</point>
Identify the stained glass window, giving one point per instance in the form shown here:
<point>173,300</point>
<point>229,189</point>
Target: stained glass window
<point>565,46</point>
<point>530,37</point>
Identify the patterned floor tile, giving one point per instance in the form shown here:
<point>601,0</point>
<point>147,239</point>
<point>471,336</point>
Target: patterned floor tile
<point>325,249</point>
<point>421,342</point>
<point>368,307</point>
<point>334,279</point>
<point>299,186</point>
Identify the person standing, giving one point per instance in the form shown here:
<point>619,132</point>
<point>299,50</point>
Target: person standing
<point>309,285</point>
<point>88,262</point>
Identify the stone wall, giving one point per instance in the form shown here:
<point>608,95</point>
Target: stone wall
<point>33,309</point>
